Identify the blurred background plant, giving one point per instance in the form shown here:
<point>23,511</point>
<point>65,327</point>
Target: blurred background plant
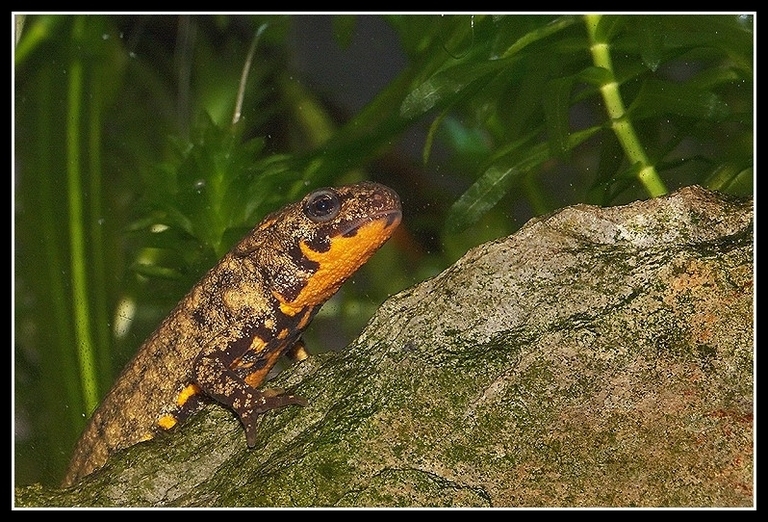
<point>146,145</point>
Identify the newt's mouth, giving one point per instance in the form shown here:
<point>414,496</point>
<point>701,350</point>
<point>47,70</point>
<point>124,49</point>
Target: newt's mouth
<point>391,219</point>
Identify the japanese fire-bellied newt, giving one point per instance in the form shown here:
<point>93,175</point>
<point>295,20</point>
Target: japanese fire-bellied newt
<point>225,335</point>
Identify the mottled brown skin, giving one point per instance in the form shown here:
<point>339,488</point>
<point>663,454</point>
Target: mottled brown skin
<point>225,335</point>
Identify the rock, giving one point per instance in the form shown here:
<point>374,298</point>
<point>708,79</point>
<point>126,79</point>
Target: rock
<point>597,357</point>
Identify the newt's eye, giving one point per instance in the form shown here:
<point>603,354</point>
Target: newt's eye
<point>322,205</point>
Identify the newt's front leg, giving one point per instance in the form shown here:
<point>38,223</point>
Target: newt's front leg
<point>218,374</point>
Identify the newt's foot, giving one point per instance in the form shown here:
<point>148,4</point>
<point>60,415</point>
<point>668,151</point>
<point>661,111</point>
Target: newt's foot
<point>266,400</point>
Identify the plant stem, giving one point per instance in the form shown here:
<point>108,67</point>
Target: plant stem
<point>98,249</point>
<point>620,123</point>
<point>244,74</point>
<point>80,303</point>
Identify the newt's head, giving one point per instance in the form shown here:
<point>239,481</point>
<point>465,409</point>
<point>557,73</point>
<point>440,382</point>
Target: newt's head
<point>309,248</point>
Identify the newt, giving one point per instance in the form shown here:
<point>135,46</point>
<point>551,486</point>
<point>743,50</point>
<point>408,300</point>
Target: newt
<point>221,340</point>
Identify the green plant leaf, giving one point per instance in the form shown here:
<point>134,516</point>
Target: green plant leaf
<point>497,179</point>
<point>448,85</point>
<point>557,104</point>
<point>658,96</point>
<point>597,76</point>
<point>651,31</point>
<point>483,195</point>
<point>542,30</point>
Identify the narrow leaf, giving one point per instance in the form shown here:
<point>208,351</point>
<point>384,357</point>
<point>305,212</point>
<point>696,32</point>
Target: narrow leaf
<point>651,33</point>
<point>557,102</point>
<point>433,128</point>
<point>658,96</point>
<point>480,197</point>
<point>497,179</point>
<point>448,84</point>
